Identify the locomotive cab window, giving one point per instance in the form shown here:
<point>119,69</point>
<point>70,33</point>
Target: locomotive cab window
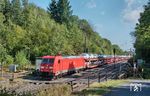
<point>58,61</point>
<point>48,61</point>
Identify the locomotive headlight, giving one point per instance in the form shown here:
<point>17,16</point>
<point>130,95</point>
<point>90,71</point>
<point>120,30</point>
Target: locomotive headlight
<point>50,67</point>
<point>42,67</point>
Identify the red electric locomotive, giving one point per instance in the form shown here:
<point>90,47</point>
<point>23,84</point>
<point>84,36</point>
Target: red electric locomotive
<point>54,66</point>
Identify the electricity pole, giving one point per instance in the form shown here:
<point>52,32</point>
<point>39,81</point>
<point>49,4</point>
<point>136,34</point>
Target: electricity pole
<point>114,52</point>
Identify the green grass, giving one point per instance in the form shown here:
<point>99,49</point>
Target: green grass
<point>97,89</point>
<point>56,90</point>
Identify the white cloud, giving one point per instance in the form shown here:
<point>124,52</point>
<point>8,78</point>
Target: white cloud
<point>129,2</point>
<point>91,4</point>
<point>131,13</point>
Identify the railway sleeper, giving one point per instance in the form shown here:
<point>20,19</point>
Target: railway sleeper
<point>35,83</point>
<point>121,76</point>
<point>75,86</point>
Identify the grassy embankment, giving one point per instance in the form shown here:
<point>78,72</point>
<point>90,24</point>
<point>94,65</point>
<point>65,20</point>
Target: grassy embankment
<point>56,90</point>
<point>97,89</point>
<point>146,71</point>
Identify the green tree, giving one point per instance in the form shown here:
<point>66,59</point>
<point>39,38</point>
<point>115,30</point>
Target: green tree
<point>64,11</point>
<point>118,50</point>
<point>31,29</point>
<point>142,35</point>
<point>53,10</point>
<point>3,54</point>
<point>16,12</point>
<point>25,3</point>
<point>107,46</point>
<point>25,14</point>
<point>6,10</point>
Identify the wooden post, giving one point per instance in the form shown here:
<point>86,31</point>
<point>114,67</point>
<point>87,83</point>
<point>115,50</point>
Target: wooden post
<point>1,70</point>
<point>99,77</point>
<point>106,76</point>
<point>71,83</point>
<point>88,82</point>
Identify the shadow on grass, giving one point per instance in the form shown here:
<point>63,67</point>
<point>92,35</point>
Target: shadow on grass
<point>98,89</point>
<point>91,92</point>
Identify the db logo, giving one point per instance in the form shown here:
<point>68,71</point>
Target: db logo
<point>135,87</point>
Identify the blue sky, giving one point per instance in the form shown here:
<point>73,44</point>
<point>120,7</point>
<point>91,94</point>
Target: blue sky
<point>112,19</point>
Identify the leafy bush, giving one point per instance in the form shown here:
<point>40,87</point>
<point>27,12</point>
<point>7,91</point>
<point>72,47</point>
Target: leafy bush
<point>9,60</point>
<point>146,73</point>
<point>21,59</point>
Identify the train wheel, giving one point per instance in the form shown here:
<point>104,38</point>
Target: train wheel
<point>55,77</point>
<point>59,76</point>
<point>76,71</point>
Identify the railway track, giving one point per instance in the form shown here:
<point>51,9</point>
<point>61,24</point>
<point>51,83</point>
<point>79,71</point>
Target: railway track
<point>108,72</point>
<point>77,81</point>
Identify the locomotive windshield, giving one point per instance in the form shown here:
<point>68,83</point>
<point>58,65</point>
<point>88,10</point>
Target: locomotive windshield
<point>48,61</point>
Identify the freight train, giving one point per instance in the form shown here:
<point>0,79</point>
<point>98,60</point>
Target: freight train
<point>58,66</point>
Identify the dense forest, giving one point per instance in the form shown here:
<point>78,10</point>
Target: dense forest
<point>28,31</point>
<point>142,35</point>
